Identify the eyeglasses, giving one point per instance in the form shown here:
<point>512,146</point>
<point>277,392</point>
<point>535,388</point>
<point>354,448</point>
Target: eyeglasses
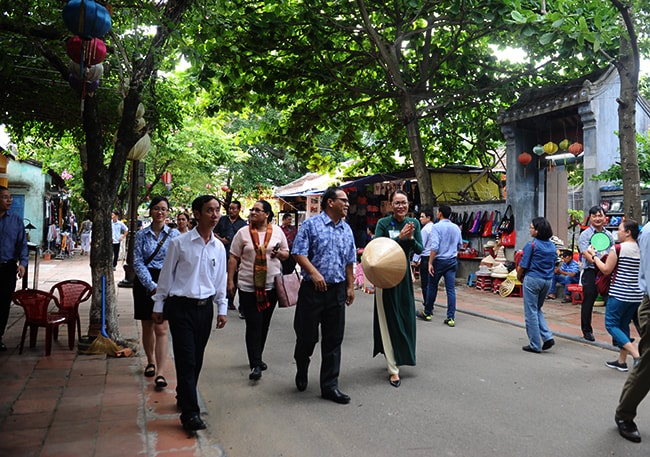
<point>159,209</point>
<point>6,197</point>
<point>400,203</point>
<point>256,210</point>
<point>344,200</point>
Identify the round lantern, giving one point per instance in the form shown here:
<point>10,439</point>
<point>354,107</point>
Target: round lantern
<point>538,150</point>
<point>79,85</point>
<point>576,148</point>
<point>564,144</point>
<point>525,158</point>
<point>140,150</point>
<point>89,73</point>
<point>208,186</point>
<point>550,148</point>
<point>166,177</point>
<point>225,188</point>
<point>90,52</point>
<point>86,18</point>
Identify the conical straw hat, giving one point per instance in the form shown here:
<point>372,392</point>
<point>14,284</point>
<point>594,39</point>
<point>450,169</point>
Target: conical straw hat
<point>384,262</point>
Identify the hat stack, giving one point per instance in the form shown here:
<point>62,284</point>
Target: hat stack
<point>501,255</point>
<point>499,271</point>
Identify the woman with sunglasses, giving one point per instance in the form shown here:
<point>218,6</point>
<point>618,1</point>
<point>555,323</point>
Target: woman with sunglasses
<point>256,253</point>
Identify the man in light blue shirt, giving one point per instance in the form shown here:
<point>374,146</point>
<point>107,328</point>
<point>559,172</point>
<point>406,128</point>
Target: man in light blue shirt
<point>119,229</point>
<point>443,246</point>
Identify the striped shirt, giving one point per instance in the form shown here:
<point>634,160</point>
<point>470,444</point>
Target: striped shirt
<point>625,283</point>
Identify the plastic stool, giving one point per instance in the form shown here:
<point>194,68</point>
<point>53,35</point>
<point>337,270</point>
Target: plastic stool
<point>496,282</point>
<point>517,291</point>
<point>576,293</point>
<point>484,282</point>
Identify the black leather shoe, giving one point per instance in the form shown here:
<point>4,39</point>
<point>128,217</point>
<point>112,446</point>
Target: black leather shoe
<point>628,430</point>
<point>548,344</point>
<point>588,336</point>
<point>263,366</point>
<point>256,374</point>
<point>301,381</point>
<point>193,423</point>
<point>395,383</point>
<point>336,396</point>
<point>529,349</point>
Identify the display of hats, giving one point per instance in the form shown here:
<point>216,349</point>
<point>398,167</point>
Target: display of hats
<point>489,261</point>
<point>490,244</point>
<point>483,270</point>
<point>501,255</point>
<point>557,242</point>
<point>384,262</point>
<point>499,271</point>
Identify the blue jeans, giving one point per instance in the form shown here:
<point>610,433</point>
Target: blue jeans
<point>443,268</point>
<point>618,315</point>
<point>535,291</point>
<point>565,281</point>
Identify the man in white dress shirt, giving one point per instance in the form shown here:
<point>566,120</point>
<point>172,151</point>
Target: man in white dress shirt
<point>192,279</point>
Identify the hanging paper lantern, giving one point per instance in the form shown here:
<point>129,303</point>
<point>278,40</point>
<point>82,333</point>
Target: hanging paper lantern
<point>78,85</point>
<point>90,73</point>
<point>576,148</point>
<point>168,187</point>
<point>225,188</point>
<point>550,148</point>
<point>140,150</point>
<point>538,149</point>
<point>208,186</point>
<point>86,18</point>
<point>90,52</point>
<point>564,144</point>
<point>166,177</point>
<point>525,158</point>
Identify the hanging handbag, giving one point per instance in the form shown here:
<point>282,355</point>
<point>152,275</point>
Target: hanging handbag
<point>507,224</point>
<point>496,222</point>
<point>287,287</point>
<point>477,223</point>
<point>487,229</point>
<point>509,240</point>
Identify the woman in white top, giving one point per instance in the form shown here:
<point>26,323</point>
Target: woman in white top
<point>624,293</point>
<point>256,253</point>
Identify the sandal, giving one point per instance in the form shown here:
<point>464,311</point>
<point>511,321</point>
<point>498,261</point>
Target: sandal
<point>150,371</point>
<point>161,382</point>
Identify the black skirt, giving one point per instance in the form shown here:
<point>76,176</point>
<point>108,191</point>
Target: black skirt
<point>142,301</point>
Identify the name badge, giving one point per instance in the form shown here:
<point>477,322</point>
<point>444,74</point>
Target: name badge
<point>393,233</point>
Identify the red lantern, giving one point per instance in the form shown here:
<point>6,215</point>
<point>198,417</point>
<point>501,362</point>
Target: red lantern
<point>525,158</point>
<point>576,148</point>
<point>225,188</point>
<point>90,52</point>
<point>166,177</point>
<point>208,186</point>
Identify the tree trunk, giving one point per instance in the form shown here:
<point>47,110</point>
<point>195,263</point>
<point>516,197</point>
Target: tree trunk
<point>409,115</point>
<point>628,70</point>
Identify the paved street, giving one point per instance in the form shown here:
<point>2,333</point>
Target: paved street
<point>474,391</point>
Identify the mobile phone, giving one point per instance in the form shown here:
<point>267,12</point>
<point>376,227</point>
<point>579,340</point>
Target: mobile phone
<point>276,247</point>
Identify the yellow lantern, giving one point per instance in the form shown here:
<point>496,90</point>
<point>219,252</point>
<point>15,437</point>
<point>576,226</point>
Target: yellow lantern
<point>550,148</point>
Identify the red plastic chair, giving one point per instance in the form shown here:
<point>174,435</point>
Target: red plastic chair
<point>72,293</point>
<point>36,304</point>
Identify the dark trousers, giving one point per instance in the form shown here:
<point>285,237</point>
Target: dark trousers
<point>257,324</point>
<point>190,326</point>
<point>326,309</point>
<point>116,253</point>
<point>424,276</point>
<point>637,384</point>
<point>8,281</point>
<point>589,295</point>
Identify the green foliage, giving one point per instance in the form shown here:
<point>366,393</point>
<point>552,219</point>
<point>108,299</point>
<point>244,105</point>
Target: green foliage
<point>614,173</point>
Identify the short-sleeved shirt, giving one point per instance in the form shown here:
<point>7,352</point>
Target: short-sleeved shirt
<point>445,240</point>
<point>539,258</point>
<point>584,241</point>
<point>328,246</point>
<point>13,241</point>
<point>242,247</point>
<point>118,228</point>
